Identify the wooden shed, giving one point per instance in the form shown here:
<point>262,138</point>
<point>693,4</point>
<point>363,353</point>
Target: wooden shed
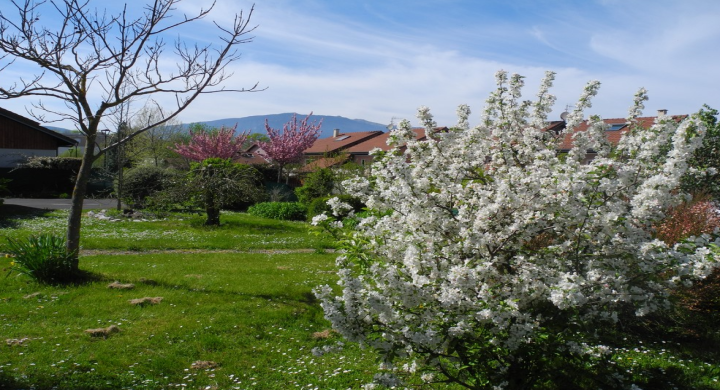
<point>21,137</point>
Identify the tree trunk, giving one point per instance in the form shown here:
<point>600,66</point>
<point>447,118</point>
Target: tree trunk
<point>78,196</point>
<point>120,189</point>
<point>280,167</point>
<point>212,211</point>
<point>120,153</point>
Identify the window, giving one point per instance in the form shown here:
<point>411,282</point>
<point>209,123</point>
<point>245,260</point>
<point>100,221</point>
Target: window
<point>616,127</point>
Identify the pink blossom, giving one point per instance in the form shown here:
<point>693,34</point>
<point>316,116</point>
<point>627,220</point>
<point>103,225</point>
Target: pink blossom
<point>287,146</point>
<point>204,145</point>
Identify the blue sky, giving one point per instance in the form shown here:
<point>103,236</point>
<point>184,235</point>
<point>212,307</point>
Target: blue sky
<point>381,59</point>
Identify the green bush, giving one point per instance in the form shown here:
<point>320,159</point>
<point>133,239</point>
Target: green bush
<point>3,189</point>
<point>56,163</point>
<point>319,205</point>
<point>141,182</point>
<point>43,258</point>
<point>317,184</point>
<point>293,211</point>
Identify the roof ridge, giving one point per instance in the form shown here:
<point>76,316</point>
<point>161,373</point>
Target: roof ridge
<point>35,125</point>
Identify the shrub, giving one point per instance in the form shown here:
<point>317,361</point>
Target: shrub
<point>58,163</point>
<point>704,175</point>
<point>698,306</point>
<point>319,205</point>
<point>141,182</point>
<point>693,218</point>
<point>292,211</point>
<point>486,260</point>
<point>3,188</point>
<point>217,183</point>
<point>317,184</point>
<point>43,258</point>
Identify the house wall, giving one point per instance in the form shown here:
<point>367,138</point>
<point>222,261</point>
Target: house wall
<point>363,160</point>
<point>10,158</point>
<point>15,135</point>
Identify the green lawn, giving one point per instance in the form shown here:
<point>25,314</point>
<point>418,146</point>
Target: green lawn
<point>238,296</point>
<point>238,231</point>
<point>252,314</point>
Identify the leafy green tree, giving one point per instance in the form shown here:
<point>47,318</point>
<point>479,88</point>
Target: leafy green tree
<point>143,181</point>
<point>154,145</point>
<point>255,138</point>
<point>704,175</point>
<point>317,184</point>
<point>216,183</point>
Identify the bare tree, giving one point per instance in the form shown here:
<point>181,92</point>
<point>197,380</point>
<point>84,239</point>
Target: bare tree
<point>155,144</point>
<point>116,57</point>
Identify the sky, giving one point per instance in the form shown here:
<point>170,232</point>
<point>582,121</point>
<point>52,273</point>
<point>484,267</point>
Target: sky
<point>380,60</point>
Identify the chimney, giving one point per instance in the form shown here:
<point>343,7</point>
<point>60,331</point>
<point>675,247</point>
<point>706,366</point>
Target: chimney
<point>662,112</point>
<point>336,133</point>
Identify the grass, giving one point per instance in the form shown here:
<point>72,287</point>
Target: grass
<point>252,314</point>
<point>238,231</point>
<point>249,312</point>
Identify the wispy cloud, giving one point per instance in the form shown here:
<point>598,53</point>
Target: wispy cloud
<point>379,60</point>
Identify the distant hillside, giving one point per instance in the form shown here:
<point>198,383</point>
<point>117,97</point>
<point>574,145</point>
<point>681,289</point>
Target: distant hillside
<point>256,124</point>
<point>58,129</point>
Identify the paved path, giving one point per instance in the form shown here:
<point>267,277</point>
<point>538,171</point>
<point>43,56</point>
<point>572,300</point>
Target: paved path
<point>64,204</point>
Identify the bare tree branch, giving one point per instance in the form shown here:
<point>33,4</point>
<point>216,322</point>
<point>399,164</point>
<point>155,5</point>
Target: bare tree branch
<point>96,63</point>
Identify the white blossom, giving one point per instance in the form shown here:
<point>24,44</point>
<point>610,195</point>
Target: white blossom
<point>487,235</point>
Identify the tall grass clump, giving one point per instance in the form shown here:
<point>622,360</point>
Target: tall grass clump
<point>44,258</point>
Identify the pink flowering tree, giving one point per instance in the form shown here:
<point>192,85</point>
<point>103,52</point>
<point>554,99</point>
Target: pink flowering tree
<point>212,144</point>
<point>287,146</point>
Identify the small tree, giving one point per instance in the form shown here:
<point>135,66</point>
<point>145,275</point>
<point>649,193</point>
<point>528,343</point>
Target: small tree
<point>94,62</point>
<point>155,144</point>
<point>488,260</point>
<point>287,146</point>
<point>142,182</point>
<point>216,183</point>
<point>205,144</point>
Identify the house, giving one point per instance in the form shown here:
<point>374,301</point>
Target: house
<point>617,127</point>
<point>21,138</point>
<point>360,153</point>
<point>253,155</point>
<point>331,151</point>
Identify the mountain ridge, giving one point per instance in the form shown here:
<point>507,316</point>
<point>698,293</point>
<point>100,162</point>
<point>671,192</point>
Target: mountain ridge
<point>256,123</point>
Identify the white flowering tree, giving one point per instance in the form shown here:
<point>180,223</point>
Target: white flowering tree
<point>488,260</point>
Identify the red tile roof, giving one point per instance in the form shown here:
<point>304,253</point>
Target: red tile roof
<point>341,142</point>
<point>613,135</point>
<point>381,141</point>
<point>325,162</point>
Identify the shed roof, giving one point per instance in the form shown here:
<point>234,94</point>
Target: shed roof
<point>27,122</point>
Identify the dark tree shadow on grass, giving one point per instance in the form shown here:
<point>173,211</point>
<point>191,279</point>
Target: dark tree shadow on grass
<point>10,214</point>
